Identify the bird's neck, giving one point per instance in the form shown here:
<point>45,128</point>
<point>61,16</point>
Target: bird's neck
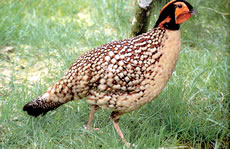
<point>167,22</point>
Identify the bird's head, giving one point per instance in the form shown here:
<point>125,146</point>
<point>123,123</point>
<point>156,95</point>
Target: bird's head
<point>173,14</point>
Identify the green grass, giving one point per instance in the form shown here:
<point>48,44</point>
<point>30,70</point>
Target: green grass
<point>47,36</point>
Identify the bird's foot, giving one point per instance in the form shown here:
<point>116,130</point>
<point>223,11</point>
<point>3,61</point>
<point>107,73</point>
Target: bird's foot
<point>88,128</point>
<point>129,145</point>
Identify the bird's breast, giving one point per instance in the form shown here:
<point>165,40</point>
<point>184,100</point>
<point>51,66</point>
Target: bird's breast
<point>162,71</point>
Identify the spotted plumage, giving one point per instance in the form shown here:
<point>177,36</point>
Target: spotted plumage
<point>122,75</point>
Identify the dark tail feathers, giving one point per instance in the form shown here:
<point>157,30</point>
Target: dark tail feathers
<point>37,107</point>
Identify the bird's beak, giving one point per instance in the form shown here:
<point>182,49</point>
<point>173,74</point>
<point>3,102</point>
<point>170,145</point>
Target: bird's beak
<point>192,12</point>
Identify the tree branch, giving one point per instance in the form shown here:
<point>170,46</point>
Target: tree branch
<point>141,20</point>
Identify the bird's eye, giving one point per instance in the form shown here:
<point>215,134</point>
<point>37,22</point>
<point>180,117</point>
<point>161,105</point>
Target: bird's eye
<point>179,6</point>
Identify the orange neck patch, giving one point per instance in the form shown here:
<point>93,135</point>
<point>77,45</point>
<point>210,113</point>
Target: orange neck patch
<point>166,20</point>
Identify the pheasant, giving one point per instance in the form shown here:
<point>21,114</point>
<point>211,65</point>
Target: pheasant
<point>122,75</point>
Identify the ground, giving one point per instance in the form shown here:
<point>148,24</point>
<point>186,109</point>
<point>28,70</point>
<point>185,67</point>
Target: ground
<point>40,39</point>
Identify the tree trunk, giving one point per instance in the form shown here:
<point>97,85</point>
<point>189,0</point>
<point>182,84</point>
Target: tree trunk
<point>141,20</point>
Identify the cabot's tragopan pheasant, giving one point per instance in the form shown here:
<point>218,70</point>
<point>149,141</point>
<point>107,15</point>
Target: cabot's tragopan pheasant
<point>122,75</point>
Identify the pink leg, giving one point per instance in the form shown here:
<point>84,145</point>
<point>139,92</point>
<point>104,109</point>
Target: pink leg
<point>91,115</point>
<point>115,117</point>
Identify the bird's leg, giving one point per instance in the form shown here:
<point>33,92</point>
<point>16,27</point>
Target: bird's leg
<point>93,109</point>
<point>115,116</point>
